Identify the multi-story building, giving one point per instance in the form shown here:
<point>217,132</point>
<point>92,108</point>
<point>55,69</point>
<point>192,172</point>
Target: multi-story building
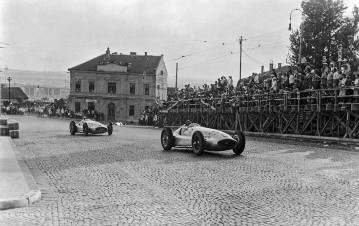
<point>117,85</point>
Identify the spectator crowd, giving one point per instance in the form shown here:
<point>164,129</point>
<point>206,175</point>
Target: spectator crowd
<point>294,79</point>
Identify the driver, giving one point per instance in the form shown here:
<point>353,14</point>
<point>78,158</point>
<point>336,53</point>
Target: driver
<point>188,122</point>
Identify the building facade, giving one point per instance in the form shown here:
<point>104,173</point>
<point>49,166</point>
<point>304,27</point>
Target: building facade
<point>117,85</point>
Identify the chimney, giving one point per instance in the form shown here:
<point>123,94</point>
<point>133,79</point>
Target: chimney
<point>133,53</point>
<point>145,53</point>
<point>270,65</point>
<point>279,65</point>
<point>262,70</point>
<point>108,51</point>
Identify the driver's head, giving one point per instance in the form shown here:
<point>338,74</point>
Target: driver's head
<point>188,122</point>
<point>84,118</point>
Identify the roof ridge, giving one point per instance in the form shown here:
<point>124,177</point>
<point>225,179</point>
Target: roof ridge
<point>86,61</point>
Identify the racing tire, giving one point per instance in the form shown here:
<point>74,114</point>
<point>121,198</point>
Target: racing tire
<point>167,139</point>
<point>72,128</point>
<point>85,128</point>
<point>198,143</point>
<point>241,142</point>
<point>109,128</point>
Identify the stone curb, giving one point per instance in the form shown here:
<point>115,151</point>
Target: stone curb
<point>28,198</point>
<point>21,201</point>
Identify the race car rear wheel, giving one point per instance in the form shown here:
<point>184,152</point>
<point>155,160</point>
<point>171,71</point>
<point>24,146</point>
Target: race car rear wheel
<point>198,143</point>
<point>72,128</point>
<point>167,139</point>
<point>109,128</point>
<point>241,142</point>
<point>85,128</point>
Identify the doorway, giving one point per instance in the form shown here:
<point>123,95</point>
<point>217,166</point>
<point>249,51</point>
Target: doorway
<point>111,114</point>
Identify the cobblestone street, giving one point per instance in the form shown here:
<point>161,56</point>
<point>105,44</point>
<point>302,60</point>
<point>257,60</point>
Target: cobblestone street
<point>127,179</point>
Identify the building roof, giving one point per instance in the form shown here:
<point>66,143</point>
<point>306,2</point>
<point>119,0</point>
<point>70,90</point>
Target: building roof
<point>282,69</point>
<point>15,93</point>
<point>139,63</point>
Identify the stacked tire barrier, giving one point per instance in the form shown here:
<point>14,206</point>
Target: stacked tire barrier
<point>9,127</point>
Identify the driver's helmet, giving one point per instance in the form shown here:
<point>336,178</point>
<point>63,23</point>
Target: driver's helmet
<point>188,122</point>
<point>84,118</point>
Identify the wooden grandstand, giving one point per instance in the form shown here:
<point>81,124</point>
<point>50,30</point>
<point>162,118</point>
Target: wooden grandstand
<point>329,113</point>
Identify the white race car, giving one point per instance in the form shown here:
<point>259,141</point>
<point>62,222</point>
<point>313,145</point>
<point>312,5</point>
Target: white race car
<point>202,138</point>
<point>87,126</point>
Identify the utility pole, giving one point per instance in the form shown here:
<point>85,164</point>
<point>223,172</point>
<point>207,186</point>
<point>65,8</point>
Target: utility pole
<point>176,79</point>
<point>301,33</point>
<point>240,57</point>
<point>301,41</point>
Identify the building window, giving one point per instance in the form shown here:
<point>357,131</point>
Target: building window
<point>91,86</point>
<point>78,86</point>
<point>77,107</point>
<point>147,89</point>
<point>132,88</point>
<point>112,87</point>
<point>132,110</point>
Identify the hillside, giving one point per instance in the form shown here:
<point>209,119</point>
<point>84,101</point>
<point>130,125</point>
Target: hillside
<point>36,78</point>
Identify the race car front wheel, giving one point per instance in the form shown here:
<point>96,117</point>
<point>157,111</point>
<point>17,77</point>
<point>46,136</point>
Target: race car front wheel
<point>72,128</point>
<point>167,139</point>
<point>109,128</point>
<point>241,142</point>
<point>198,143</point>
<point>85,129</point>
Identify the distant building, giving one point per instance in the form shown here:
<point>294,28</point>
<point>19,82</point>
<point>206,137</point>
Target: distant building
<point>121,86</point>
<point>16,94</point>
<point>39,92</point>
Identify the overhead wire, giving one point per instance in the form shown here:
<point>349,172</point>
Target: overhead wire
<point>232,53</point>
<point>201,51</point>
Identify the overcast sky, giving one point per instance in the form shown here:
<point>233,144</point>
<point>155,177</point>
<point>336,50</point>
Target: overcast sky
<point>59,34</point>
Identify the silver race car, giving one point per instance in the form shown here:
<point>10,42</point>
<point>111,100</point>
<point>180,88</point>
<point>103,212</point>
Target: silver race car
<point>87,126</point>
<point>201,138</point>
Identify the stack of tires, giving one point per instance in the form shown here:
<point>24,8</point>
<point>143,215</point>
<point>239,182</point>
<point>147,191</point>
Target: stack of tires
<point>13,128</point>
<point>4,130</point>
<point>9,127</point>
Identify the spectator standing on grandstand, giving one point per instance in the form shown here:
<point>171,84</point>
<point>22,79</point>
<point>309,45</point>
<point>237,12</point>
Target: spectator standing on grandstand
<point>256,79</point>
<point>230,83</point>
<point>284,79</point>
<point>336,78</point>
<point>268,83</point>
<point>315,79</point>
<point>344,82</point>
<point>346,70</point>
<point>356,84</point>
<point>274,87</point>
<point>323,79</point>
<point>291,79</point>
<point>330,78</point>
<point>307,84</point>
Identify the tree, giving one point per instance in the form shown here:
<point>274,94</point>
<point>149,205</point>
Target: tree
<point>326,29</point>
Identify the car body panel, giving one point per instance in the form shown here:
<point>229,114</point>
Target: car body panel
<point>94,127</point>
<point>215,140</point>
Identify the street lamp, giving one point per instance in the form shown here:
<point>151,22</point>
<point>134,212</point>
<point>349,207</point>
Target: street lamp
<point>301,33</point>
